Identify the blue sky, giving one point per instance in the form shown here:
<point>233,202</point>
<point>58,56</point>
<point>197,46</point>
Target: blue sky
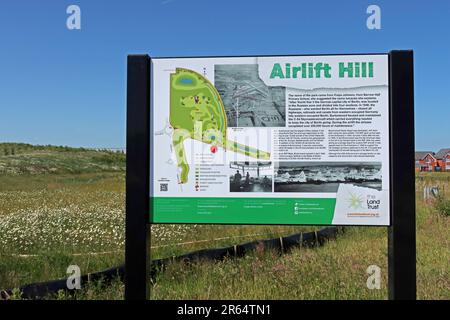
<point>68,87</point>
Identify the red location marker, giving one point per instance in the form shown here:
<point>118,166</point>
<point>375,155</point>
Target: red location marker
<point>213,149</point>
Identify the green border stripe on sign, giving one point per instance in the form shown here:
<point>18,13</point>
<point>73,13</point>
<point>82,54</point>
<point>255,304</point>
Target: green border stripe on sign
<point>243,210</point>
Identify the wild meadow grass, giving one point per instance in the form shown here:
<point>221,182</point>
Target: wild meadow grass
<point>51,221</point>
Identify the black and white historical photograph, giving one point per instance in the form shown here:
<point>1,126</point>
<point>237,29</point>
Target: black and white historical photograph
<point>325,176</point>
<point>248,101</point>
<point>251,176</point>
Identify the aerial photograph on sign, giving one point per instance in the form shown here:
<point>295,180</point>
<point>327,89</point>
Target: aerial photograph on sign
<point>248,101</point>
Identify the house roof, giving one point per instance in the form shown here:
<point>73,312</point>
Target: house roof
<point>441,153</point>
<point>419,155</point>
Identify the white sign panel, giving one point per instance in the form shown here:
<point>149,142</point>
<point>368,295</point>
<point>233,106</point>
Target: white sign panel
<point>271,140</point>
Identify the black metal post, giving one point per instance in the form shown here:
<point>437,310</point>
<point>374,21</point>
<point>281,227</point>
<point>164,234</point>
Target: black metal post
<point>137,233</point>
<point>402,232</point>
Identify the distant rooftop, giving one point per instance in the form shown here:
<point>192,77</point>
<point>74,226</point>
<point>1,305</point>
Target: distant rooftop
<point>419,155</point>
<point>441,153</point>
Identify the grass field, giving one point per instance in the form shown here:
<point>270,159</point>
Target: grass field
<point>49,221</point>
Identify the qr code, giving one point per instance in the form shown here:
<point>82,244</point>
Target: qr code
<point>163,187</point>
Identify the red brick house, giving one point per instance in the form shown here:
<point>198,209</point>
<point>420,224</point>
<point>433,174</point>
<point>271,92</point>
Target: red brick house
<point>443,159</point>
<point>426,161</point>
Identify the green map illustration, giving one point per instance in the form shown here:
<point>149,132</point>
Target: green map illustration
<point>197,112</point>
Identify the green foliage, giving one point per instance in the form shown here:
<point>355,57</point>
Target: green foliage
<point>16,294</point>
<point>432,177</point>
<point>110,159</point>
<point>22,159</point>
<point>62,295</point>
<point>442,205</point>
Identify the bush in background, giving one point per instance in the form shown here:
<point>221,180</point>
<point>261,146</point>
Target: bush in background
<point>442,205</point>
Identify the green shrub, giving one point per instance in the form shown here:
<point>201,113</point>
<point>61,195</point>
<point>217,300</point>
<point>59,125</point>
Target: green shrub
<point>442,205</point>
<point>110,159</point>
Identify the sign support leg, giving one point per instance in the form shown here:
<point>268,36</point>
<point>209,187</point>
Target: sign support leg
<point>402,232</point>
<point>137,229</point>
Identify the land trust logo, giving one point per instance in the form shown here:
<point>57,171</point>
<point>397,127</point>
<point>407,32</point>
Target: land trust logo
<point>357,201</point>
